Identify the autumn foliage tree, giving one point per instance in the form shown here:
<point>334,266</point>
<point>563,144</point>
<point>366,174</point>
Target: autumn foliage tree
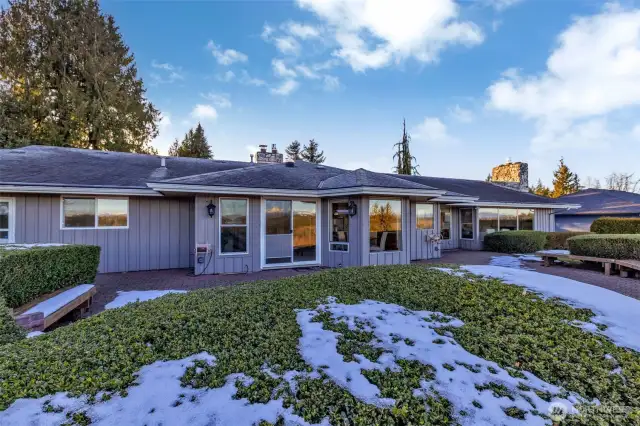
<point>564,181</point>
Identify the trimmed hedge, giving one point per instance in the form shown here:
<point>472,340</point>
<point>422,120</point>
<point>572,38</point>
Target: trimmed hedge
<point>616,225</point>
<point>515,241</point>
<point>9,331</point>
<point>26,274</point>
<point>611,246</point>
<point>558,240</point>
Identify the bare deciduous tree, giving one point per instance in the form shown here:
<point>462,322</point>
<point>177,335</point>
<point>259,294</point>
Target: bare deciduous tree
<point>622,182</point>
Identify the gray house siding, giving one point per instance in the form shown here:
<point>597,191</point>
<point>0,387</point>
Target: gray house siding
<point>337,258</point>
<point>544,220</point>
<point>207,232</point>
<point>421,246</point>
<point>160,233</point>
<point>389,257</point>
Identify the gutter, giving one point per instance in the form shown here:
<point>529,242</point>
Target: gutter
<point>47,189</point>
<point>516,205</point>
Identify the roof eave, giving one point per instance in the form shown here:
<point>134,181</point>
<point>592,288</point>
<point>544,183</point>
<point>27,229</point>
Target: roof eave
<point>88,190</point>
<point>524,205</point>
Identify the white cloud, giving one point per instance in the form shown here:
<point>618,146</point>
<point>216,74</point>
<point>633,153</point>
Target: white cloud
<point>221,100</point>
<point>590,134</point>
<point>461,114</point>
<point>331,83</point>
<point>247,80</point>
<point>226,77</point>
<point>433,131</point>
<point>165,121</point>
<point>267,30</point>
<point>287,45</point>
<point>301,31</point>
<point>593,71</point>
<point>170,73</point>
<point>635,133</point>
<point>226,57</point>
<point>374,34</point>
<point>285,88</point>
<point>307,72</point>
<point>280,69</point>
<point>204,112</point>
<point>501,5</point>
<point>326,65</point>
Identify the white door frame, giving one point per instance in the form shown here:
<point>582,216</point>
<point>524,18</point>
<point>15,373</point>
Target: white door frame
<point>263,233</point>
<point>12,220</point>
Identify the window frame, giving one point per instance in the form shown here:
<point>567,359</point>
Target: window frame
<point>433,216</point>
<point>221,225</point>
<point>330,219</point>
<point>517,209</point>
<point>402,209</point>
<point>12,219</point>
<point>442,211</point>
<point>95,213</point>
<point>473,224</point>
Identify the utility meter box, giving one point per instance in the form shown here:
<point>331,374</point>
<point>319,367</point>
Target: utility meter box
<point>202,251</point>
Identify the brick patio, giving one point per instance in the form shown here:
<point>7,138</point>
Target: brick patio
<point>180,279</point>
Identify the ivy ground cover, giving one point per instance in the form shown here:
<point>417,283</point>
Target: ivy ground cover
<point>377,345</point>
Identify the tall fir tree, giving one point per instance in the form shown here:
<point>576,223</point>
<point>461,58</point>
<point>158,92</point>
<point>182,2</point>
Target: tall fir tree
<point>293,151</point>
<point>68,79</point>
<point>403,157</point>
<point>540,189</point>
<point>564,181</point>
<point>194,144</point>
<point>312,154</point>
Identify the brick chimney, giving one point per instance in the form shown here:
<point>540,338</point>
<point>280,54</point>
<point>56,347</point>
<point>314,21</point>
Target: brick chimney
<point>511,175</point>
<point>264,156</point>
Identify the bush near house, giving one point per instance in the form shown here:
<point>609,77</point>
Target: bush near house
<point>9,330</point>
<point>515,241</point>
<point>616,225</point>
<point>610,246</point>
<point>26,274</point>
<point>558,240</point>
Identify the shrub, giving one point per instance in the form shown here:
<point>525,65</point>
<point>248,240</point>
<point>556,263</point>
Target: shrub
<point>611,246</point>
<point>9,330</point>
<point>26,274</point>
<point>616,225</point>
<point>515,241</point>
<point>558,240</point>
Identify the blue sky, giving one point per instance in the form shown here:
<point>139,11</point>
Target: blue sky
<point>477,81</point>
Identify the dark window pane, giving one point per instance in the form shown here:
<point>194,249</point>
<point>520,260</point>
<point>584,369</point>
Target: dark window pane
<point>445,222</point>
<point>233,212</point>
<point>488,220</point>
<point>79,212</point>
<point>466,224</point>
<point>4,215</point>
<point>424,216</point>
<point>467,231</point>
<point>339,222</point>
<point>508,219</point>
<point>340,247</point>
<point>4,235</point>
<point>233,239</point>
<point>525,220</point>
<point>278,217</point>
<point>385,225</point>
<point>112,212</point>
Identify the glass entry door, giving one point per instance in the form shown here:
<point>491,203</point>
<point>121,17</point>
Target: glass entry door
<point>290,232</point>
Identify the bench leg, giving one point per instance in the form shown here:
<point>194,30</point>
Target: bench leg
<point>548,261</point>
<point>624,273</point>
<point>607,269</point>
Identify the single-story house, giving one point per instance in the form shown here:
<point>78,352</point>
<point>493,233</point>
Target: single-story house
<point>149,212</point>
<point>596,203</point>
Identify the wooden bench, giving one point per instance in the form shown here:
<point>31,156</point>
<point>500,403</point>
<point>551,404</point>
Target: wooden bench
<point>549,257</point>
<point>628,267</point>
<point>45,311</point>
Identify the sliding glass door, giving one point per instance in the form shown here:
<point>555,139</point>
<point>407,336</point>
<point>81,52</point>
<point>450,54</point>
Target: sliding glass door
<point>290,232</point>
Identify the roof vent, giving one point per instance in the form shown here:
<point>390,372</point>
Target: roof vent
<point>290,164</point>
<point>163,162</point>
<point>320,167</point>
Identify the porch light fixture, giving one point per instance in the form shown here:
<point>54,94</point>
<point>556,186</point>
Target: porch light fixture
<point>352,208</point>
<point>211,209</point>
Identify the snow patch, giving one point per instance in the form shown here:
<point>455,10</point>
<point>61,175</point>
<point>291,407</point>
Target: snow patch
<point>450,271</point>
<point>158,399</point>
<point>28,246</point>
<point>126,297</point>
<point>33,334</point>
<point>514,261</point>
<point>57,302</point>
<point>621,314</point>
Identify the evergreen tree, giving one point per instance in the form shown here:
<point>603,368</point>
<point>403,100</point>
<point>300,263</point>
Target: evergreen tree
<point>68,79</point>
<point>312,154</point>
<point>540,189</point>
<point>293,151</point>
<point>403,157</point>
<point>564,181</point>
<point>193,145</point>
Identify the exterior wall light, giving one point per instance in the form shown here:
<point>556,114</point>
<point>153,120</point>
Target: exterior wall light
<point>352,208</point>
<point>211,209</point>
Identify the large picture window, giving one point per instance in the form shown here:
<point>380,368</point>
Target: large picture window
<point>445,222</point>
<point>233,225</point>
<point>424,216</point>
<point>91,213</point>
<point>339,232</point>
<point>385,225</point>
<point>466,224</point>
<point>493,220</point>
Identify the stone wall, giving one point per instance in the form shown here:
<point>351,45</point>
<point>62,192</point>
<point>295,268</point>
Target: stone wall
<point>512,175</point>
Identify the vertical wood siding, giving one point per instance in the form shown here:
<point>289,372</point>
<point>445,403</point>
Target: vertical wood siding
<point>336,259</point>
<point>421,246</point>
<point>207,232</point>
<point>544,220</point>
<point>160,234</point>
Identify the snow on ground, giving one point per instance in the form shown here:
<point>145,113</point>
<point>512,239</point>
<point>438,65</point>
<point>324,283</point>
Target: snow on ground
<point>33,334</point>
<point>125,297</point>
<point>514,261</point>
<point>28,246</point>
<point>158,399</point>
<point>57,302</point>
<point>621,314</point>
<point>392,324</point>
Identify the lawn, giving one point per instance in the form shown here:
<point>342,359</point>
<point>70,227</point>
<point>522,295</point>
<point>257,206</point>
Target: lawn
<point>375,345</point>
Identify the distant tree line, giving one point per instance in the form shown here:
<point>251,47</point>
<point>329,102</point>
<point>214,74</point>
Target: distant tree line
<point>310,153</point>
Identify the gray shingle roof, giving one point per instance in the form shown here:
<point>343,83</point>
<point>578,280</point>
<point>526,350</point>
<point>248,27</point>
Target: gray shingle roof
<point>362,177</point>
<point>602,202</point>
<point>56,166</point>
